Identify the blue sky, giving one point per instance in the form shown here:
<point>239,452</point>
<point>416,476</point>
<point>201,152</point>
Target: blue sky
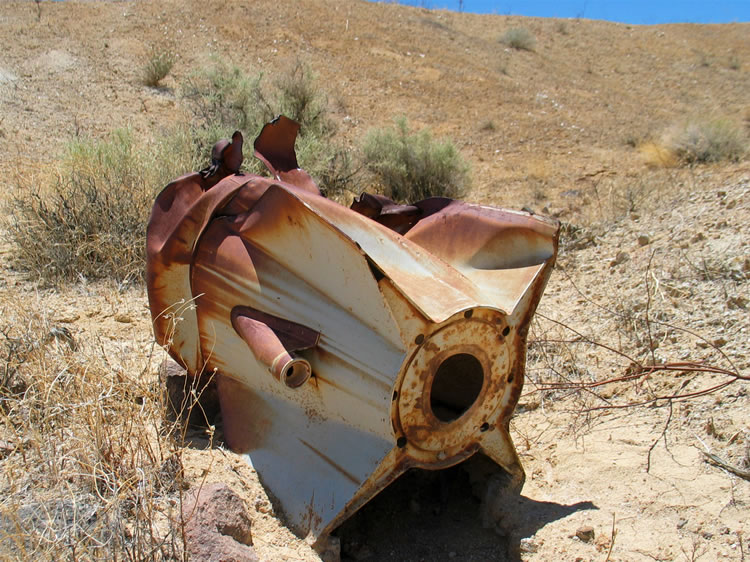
<point>624,11</point>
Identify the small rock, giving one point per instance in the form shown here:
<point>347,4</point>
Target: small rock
<point>452,554</point>
<point>68,319</point>
<point>737,302</point>
<point>644,239</point>
<point>263,506</point>
<point>528,546</point>
<point>585,533</point>
<point>707,535</point>
<point>217,526</point>
<point>681,523</point>
<point>699,236</point>
<point>720,342</point>
<point>621,257</point>
<point>123,318</point>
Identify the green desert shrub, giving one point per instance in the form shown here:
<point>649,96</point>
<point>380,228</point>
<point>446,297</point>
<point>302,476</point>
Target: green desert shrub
<point>223,95</point>
<point>225,98</point>
<point>710,140</point>
<point>519,38</point>
<point>90,220</point>
<point>412,165</point>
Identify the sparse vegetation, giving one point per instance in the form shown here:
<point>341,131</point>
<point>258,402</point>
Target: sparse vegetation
<point>656,155</point>
<point>695,142</point>
<point>89,433</point>
<point>488,126</point>
<point>89,221</point>
<point>225,98</point>
<point>711,140</point>
<point>412,165</point>
<point>519,38</point>
<point>157,68</point>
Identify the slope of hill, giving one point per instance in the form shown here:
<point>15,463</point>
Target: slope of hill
<point>654,266</point>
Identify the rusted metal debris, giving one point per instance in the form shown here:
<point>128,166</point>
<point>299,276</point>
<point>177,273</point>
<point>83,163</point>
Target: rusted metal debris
<point>347,345</point>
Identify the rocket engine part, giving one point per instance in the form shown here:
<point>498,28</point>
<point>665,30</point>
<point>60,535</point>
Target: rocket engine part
<point>347,345</point>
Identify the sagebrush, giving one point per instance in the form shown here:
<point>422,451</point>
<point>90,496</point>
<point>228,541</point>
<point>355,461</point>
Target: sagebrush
<point>410,166</point>
<point>89,220</point>
<point>519,38</point>
<point>709,140</point>
<point>224,98</point>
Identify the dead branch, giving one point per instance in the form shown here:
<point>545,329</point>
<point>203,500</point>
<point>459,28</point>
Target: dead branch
<point>713,459</point>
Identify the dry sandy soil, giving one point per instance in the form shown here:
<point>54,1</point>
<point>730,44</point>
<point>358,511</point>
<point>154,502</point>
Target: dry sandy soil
<point>653,265</point>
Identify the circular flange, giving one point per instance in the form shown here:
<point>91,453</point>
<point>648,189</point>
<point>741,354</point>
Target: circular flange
<point>454,383</point>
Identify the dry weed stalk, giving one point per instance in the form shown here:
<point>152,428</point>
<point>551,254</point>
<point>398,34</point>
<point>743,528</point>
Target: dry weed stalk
<point>635,367</point>
<point>89,468</point>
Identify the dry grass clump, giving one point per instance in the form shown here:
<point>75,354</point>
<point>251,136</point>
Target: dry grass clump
<point>698,141</point>
<point>412,165</point>
<point>86,468</point>
<point>89,221</point>
<point>712,140</point>
<point>519,38</point>
<point>157,67</point>
<point>658,156</point>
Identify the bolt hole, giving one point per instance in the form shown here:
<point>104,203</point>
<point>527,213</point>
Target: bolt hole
<point>510,377</point>
<point>401,442</point>
<point>419,339</point>
<point>468,314</point>
<point>395,394</point>
<point>506,330</point>
<point>484,427</point>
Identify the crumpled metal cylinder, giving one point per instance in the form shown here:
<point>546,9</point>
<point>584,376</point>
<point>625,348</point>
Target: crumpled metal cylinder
<point>408,325</point>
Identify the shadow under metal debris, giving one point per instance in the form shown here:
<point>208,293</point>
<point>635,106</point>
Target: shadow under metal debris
<point>434,516</point>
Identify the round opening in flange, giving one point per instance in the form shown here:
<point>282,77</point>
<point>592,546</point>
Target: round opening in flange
<point>456,386</point>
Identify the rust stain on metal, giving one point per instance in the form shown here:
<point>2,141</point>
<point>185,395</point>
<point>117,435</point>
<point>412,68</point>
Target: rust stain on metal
<point>330,461</point>
<point>349,344</point>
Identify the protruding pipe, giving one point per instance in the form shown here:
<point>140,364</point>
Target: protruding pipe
<point>268,349</point>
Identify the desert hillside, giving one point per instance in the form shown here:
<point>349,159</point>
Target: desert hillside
<point>637,373</point>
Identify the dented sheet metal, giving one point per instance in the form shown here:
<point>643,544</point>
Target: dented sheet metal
<point>347,345</point>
